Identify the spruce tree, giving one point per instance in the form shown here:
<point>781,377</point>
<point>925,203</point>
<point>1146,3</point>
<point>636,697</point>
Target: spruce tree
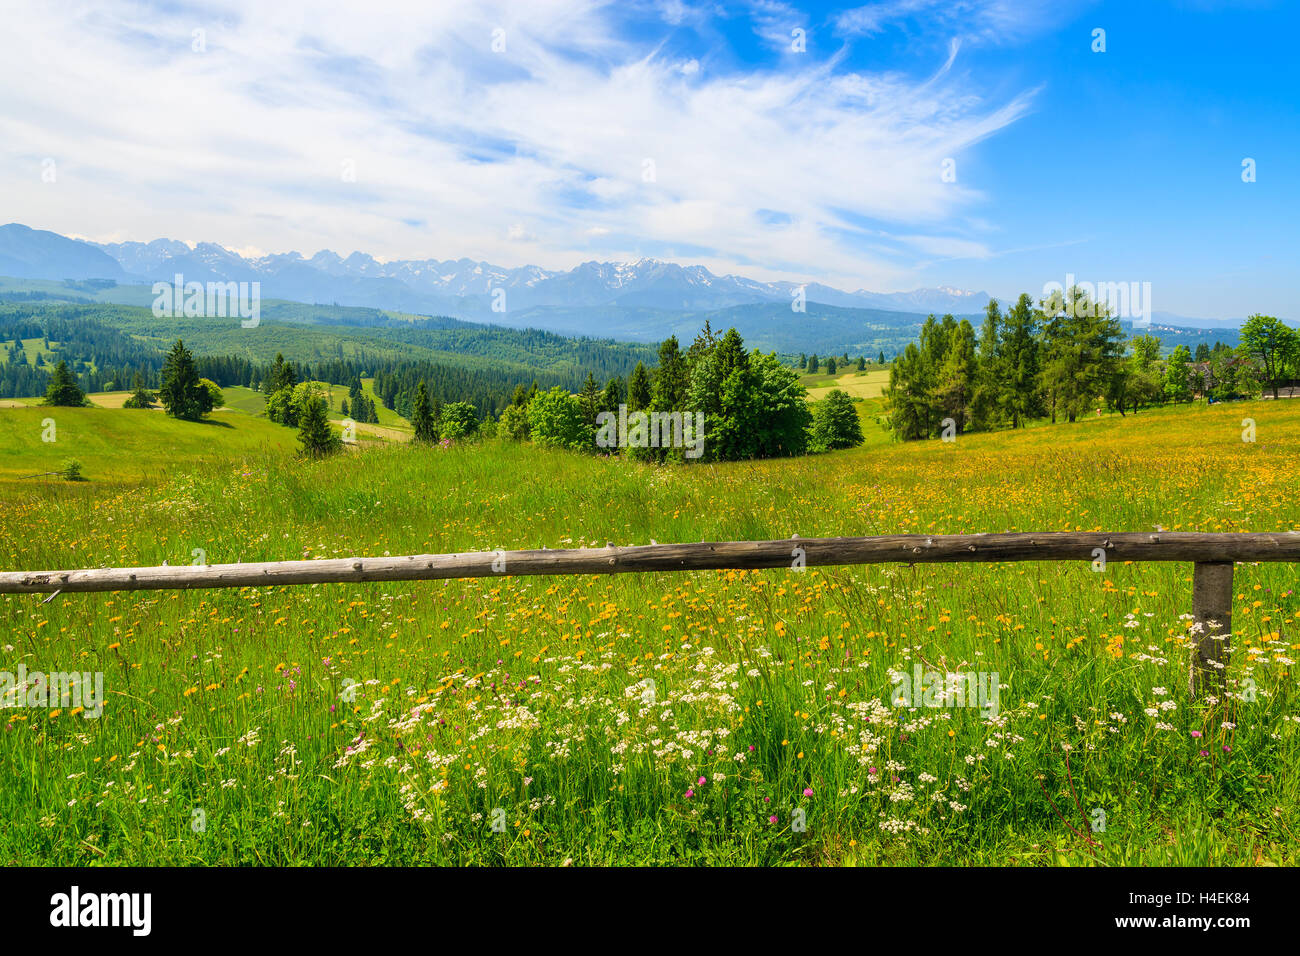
<point>591,400</point>
<point>182,394</point>
<point>638,389</point>
<point>141,397</point>
<point>989,370</point>
<point>615,395</point>
<point>426,430</point>
<point>282,375</point>
<point>1019,346</point>
<point>314,432</point>
<point>63,388</point>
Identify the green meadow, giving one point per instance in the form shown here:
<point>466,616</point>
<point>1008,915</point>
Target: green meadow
<point>704,717</point>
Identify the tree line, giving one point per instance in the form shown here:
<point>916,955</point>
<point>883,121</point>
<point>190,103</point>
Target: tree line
<point>183,392</point>
<point>105,358</point>
<point>748,403</point>
<point>1063,358</point>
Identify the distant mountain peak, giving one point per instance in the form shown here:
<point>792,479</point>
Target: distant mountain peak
<point>460,287</point>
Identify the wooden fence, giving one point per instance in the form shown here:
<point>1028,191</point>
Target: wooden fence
<point>1212,555</point>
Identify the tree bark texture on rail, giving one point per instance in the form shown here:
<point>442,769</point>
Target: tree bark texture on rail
<point>720,555</point>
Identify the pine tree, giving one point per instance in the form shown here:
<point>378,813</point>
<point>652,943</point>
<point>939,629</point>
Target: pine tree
<point>702,346</point>
<point>638,389</point>
<point>614,396</point>
<point>1082,350</point>
<point>63,388</point>
<point>723,388</point>
<point>314,432</point>
<point>141,397</point>
<point>422,417</point>
<point>955,382</point>
<point>989,370</point>
<point>182,393</point>
<point>671,381</point>
<point>1019,398</point>
<point>590,401</point>
<point>282,376</point>
<point>907,395</point>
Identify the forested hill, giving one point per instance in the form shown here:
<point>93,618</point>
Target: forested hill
<point>107,344</point>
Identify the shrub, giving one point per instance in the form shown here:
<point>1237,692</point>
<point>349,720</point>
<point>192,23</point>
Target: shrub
<point>514,423</point>
<point>555,418</point>
<point>458,420</point>
<point>835,423</point>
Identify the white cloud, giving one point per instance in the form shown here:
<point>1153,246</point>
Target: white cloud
<point>948,247</point>
<point>995,21</point>
<point>459,151</point>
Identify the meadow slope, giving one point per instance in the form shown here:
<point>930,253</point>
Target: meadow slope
<point>119,447</point>
<point>660,718</point>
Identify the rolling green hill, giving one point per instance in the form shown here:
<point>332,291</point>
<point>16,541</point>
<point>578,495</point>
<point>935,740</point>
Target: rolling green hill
<point>118,447</point>
<point>462,361</point>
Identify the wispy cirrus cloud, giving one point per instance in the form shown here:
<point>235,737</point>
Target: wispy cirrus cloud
<point>996,21</point>
<point>542,132</point>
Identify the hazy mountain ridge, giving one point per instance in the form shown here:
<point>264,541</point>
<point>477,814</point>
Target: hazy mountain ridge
<point>643,300</point>
<point>455,286</point>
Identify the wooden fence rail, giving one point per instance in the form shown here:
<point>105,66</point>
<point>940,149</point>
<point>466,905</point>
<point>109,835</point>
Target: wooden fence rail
<point>1212,554</point>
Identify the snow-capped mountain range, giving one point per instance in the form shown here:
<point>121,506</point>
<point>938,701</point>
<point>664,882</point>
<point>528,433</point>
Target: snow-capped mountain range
<point>458,287</point>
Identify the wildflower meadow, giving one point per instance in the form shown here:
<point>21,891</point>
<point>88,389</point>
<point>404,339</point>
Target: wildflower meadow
<point>1006,714</point>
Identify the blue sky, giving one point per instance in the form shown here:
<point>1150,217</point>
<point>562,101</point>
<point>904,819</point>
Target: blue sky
<point>557,131</point>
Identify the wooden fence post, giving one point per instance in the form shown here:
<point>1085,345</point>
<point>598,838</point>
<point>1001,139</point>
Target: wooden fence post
<point>1212,611</point>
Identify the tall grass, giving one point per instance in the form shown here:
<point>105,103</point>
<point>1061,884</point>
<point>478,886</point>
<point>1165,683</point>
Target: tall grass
<point>701,717</point>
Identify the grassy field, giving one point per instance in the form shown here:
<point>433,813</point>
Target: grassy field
<point>31,348</point>
<point>121,448</point>
<point>709,717</point>
<point>867,384</point>
<point>242,398</point>
<point>98,399</point>
<point>390,425</point>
